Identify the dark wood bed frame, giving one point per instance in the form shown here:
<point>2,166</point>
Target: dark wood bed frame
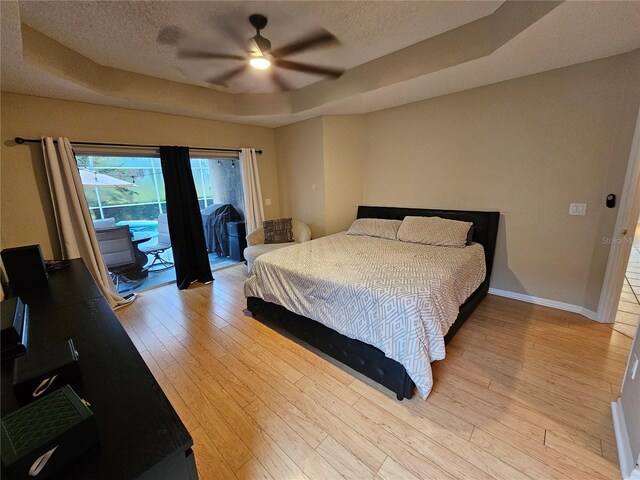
<point>361,356</point>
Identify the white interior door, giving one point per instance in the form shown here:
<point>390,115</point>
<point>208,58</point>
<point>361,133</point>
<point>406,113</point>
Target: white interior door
<point>626,416</point>
<point>622,241</point>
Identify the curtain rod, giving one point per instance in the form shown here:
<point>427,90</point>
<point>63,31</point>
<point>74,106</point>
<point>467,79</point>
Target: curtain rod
<point>20,141</point>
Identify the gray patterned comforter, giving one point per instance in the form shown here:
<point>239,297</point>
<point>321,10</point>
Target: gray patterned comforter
<point>399,297</point>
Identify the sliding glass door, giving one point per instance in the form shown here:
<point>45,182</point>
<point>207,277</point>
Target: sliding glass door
<point>139,198</point>
<point>128,190</point>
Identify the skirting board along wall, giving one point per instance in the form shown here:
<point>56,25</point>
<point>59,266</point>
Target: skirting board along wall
<point>627,462</point>
<point>591,315</point>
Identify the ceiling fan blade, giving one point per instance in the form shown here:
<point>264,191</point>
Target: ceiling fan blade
<point>306,68</point>
<point>314,40</point>
<point>279,81</point>
<point>239,40</point>
<point>253,48</point>
<point>224,78</point>
<point>196,54</point>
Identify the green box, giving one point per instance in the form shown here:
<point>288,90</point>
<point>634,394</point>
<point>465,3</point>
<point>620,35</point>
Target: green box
<point>44,436</point>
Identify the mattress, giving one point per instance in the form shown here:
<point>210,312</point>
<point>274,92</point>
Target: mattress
<point>400,297</point>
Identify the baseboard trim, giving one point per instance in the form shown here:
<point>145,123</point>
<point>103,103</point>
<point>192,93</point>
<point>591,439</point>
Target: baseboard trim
<point>567,307</point>
<point>625,456</point>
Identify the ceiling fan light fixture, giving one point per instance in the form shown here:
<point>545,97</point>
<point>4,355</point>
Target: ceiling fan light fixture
<point>259,55</point>
<point>260,63</point>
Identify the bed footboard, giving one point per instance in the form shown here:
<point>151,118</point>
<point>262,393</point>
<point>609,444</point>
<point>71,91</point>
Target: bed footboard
<point>358,355</point>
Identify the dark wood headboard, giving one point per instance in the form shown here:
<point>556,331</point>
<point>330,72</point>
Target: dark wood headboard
<point>485,224</point>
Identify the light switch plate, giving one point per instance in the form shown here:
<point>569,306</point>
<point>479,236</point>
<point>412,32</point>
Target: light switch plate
<point>577,209</point>
<point>267,201</point>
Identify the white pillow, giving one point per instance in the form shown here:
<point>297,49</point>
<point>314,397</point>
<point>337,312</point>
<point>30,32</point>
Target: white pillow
<point>375,227</point>
<point>434,231</point>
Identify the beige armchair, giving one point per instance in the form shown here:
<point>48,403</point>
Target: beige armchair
<point>256,245</point>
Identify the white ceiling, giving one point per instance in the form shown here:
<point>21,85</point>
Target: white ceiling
<point>122,35</point>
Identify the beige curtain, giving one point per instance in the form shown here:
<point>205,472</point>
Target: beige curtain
<point>75,227</point>
<point>253,210</point>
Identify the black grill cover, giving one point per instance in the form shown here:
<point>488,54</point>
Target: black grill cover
<point>214,222</point>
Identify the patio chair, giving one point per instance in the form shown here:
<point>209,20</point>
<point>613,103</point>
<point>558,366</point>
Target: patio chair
<point>118,253</point>
<point>101,223</point>
<point>163,242</point>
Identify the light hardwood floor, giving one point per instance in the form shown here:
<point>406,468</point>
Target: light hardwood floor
<point>523,393</point>
<point>626,320</point>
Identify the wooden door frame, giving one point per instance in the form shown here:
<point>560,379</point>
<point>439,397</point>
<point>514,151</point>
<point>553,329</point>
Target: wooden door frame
<point>621,243</point>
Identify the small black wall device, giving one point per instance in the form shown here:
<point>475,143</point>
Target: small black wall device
<point>24,266</point>
<point>611,200</point>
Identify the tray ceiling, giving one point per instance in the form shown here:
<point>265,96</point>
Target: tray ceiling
<point>394,52</point>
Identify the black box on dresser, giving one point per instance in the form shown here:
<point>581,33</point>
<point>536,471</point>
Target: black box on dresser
<point>14,316</point>
<point>25,267</point>
<point>45,370</point>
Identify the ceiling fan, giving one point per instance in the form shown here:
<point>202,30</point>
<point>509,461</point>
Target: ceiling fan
<point>260,54</point>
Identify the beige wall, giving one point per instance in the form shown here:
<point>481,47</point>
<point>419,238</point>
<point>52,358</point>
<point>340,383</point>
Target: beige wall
<point>527,148</point>
<point>320,171</point>
<point>343,148</point>
<point>299,150</point>
<point>26,215</point>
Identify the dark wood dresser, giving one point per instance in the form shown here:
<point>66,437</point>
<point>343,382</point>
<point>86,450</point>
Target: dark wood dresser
<point>141,436</point>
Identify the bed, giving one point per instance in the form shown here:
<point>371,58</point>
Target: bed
<point>344,294</point>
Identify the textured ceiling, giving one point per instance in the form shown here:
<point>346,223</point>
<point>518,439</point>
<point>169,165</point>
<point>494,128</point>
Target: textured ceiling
<point>86,51</point>
<point>123,34</point>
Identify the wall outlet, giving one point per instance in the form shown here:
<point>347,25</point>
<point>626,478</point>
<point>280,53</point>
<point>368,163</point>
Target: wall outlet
<point>577,209</point>
<point>267,201</point>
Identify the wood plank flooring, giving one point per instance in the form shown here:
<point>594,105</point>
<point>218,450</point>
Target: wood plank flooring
<point>523,393</point>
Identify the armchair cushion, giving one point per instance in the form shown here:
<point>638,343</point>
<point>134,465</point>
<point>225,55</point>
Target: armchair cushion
<point>251,253</point>
<point>278,231</point>
<point>256,237</point>
<point>301,233</point>
<point>256,245</point>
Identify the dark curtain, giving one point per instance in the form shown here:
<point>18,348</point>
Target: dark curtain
<point>183,215</point>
